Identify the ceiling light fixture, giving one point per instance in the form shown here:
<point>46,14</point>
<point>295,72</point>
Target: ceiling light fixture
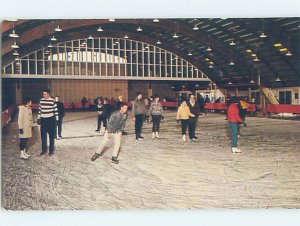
<point>195,28</point>
<point>229,83</point>
<point>58,29</point>
<point>155,20</point>
<point>50,45</point>
<point>14,34</point>
<point>111,20</point>
<point>208,49</point>
<point>90,37</point>
<point>190,53</point>
<point>289,53</point>
<point>126,36</point>
<point>232,43</point>
<point>263,35</point>
<point>175,35</point>
<point>17,58</point>
<point>231,63</point>
<point>252,81</point>
<point>256,59</point>
<point>278,79</point>
<point>211,66</point>
<point>100,29</point>
<point>158,42</point>
<point>15,46</point>
<point>16,53</point>
<point>53,38</point>
<point>139,29</point>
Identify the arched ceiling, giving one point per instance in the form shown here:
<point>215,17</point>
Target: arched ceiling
<point>215,32</point>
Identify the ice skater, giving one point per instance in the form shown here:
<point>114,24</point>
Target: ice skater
<point>156,112</point>
<point>48,119</point>
<point>115,127</point>
<point>25,122</point>
<point>138,112</point>
<point>61,115</point>
<point>234,119</point>
<point>195,110</point>
<point>183,114</point>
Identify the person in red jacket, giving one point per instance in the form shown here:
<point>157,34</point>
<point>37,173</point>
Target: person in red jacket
<point>234,119</point>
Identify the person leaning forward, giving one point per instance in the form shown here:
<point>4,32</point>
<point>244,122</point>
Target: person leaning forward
<point>115,127</point>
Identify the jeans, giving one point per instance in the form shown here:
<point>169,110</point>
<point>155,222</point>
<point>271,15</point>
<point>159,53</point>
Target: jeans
<point>184,125</point>
<point>139,119</point>
<point>48,127</point>
<point>234,126</point>
<point>59,126</point>
<point>101,119</point>
<point>156,123</point>
<point>23,143</point>
<point>192,127</point>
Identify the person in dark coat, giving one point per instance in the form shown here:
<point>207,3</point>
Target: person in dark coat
<point>61,115</point>
<point>100,111</point>
<point>195,110</point>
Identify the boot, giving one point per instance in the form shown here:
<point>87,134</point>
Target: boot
<point>235,150</point>
<point>22,155</point>
<point>114,160</point>
<point>25,153</point>
<point>184,138</point>
<point>153,135</point>
<point>156,135</point>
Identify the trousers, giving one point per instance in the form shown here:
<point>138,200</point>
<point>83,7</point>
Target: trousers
<point>48,128</point>
<point>117,143</point>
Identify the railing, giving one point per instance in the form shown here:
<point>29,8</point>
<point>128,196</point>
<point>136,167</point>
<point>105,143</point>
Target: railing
<point>6,115</point>
<point>283,108</point>
<point>222,106</point>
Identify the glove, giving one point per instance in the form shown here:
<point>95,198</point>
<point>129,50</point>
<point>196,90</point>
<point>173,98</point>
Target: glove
<point>39,122</point>
<point>21,131</point>
<point>178,120</point>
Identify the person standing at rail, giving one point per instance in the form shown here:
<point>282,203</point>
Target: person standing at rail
<point>25,122</point>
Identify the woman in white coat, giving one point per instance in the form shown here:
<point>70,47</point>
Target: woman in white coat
<point>25,122</point>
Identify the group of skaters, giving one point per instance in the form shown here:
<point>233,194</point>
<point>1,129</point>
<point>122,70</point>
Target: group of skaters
<point>114,117</point>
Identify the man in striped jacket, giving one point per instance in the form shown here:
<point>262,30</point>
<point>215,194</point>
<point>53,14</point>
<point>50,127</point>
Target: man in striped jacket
<point>47,118</point>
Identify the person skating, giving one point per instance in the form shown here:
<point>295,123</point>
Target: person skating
<point>183,114</point>
<point>234,119</point>
<point>61,115</point>
<point>195,110</point>
<point>116,125</point>
<point>138,112</point>
<point>48,119</point>
<point>25,122</point>
<point>156,112</point>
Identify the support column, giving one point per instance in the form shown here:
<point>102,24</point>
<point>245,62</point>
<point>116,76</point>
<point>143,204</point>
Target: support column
<point>236,91</point>
<point>18,87</point>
